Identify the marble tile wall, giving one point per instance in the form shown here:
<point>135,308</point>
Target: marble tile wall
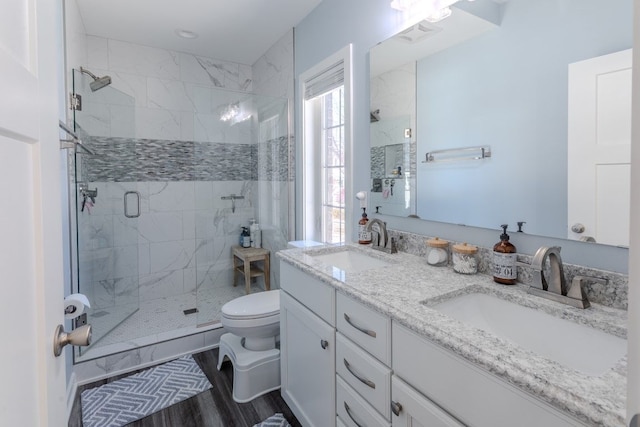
<point>615,294</point>
<point>161,94</point>
<point>386,97</point>
<point>272,73</point>
<point>181,239</point>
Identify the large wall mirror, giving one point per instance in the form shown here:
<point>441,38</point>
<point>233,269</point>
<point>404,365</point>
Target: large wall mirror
<point>508,111</point>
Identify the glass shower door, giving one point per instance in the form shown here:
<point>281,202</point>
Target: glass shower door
<point>107,207</point>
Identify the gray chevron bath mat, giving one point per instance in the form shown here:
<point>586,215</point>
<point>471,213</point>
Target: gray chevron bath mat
<point>129,399</point>
<point>276,420</point>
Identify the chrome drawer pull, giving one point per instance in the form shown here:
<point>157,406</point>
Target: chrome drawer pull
<point>362,380</point>
<point>351,416</point>
<point>364,331</point>
<point>324,344</point>
<point>396,408</point>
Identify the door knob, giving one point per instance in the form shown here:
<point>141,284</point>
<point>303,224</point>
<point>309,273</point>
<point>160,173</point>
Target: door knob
<point>578,228</point>
<point>80,336</point>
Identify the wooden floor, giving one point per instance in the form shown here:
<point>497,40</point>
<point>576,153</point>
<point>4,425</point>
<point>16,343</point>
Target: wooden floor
<point>214,407</point>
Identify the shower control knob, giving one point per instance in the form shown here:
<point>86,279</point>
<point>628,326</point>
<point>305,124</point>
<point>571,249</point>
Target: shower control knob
<point>578,228</point>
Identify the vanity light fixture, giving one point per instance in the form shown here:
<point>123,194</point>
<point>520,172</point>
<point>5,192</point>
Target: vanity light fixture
<point>439,15</point>
<point>432,10</point>
<point>186,34</point>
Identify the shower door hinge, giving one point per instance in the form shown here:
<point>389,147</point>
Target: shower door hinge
<point>76,101</point>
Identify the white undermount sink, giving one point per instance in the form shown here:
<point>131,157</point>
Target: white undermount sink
<point>350,261</point>
<point>582,348</point>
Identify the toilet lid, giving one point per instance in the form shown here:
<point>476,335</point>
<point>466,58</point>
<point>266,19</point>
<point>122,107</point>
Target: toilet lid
<point>253,306</point>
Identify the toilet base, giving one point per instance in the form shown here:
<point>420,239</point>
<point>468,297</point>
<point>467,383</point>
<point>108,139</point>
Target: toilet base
<point>254,372</point>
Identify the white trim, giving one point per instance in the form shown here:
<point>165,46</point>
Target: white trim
<point>72,390</point>
<point>633,322</point>
<point>345,55</point>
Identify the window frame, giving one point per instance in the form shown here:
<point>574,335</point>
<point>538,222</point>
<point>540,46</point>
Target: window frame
<point>309,209</point>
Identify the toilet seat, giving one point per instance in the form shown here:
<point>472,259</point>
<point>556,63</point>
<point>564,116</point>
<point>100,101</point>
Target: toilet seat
<point>253,306</point>
<point>244,322</point>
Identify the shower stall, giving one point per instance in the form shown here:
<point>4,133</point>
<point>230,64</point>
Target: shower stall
<point>153,220</point>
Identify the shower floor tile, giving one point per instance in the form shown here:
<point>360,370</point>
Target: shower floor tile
<point>158,319</point>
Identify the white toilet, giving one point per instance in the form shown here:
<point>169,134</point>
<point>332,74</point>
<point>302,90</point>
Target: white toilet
<point>253,322</point>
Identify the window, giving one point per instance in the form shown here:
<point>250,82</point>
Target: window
<point>332,169</point>
<point>326,119</point>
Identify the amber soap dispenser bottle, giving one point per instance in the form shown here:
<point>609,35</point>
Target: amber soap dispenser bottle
<point>364,236</point>
<point>504,260</point>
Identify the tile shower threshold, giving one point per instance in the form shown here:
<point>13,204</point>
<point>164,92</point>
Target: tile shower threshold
<point>163,319</point>
<point>115,348</point>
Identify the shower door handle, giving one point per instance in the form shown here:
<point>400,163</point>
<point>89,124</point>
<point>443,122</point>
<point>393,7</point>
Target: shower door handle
<point>126,204</point>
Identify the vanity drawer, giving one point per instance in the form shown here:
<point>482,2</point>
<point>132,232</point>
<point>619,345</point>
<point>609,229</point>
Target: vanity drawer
<point>354,411</point>
<point>365,374</point>
<point>311,292</point>
<point>364,326</point>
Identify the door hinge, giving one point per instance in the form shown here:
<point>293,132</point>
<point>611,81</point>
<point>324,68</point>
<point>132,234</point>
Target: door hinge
<point>76,101</point>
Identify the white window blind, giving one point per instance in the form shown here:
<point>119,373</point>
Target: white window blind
<point>324,81</point>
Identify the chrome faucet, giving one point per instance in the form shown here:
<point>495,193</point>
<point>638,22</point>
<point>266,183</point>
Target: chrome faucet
<point>556,288</point>
<point>387,245</point>
<point>556,284</point>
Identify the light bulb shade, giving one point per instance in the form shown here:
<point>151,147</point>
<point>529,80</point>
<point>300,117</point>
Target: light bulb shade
<point>439,15</point>
<point>434,9</point>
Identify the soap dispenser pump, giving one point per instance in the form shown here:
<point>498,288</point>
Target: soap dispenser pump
<point>504,260</point>
<point>364,236</point>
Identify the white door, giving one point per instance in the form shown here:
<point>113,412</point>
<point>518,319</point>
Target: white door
<point>599,149</point>
<point>31,269</point>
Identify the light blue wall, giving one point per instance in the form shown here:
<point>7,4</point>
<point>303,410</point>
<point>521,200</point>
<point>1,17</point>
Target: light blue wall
<point>364,23</point>
<point>508,89</point>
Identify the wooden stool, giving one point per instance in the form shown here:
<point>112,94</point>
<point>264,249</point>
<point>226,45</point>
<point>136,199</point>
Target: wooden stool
<point>246,256</point>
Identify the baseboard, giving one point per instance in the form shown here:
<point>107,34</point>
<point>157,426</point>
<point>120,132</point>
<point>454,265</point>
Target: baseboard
<point>72,390</point>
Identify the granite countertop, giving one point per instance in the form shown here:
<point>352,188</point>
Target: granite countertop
<point>406,287</point>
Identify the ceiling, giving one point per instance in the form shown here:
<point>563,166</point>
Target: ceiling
<point>233,30</point>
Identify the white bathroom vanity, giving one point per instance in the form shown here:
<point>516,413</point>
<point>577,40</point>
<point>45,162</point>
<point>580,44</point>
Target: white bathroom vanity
<point>364,342</point>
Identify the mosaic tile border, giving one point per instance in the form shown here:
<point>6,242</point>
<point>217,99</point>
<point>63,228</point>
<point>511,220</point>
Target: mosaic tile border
<point>134,160</point>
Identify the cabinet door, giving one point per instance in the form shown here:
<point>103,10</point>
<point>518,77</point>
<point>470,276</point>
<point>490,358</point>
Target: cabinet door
<point>411,409</point>
<point>307,346</point>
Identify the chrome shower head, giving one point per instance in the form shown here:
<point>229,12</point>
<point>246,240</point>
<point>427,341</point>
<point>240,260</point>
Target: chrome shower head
<point>98,82</point>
